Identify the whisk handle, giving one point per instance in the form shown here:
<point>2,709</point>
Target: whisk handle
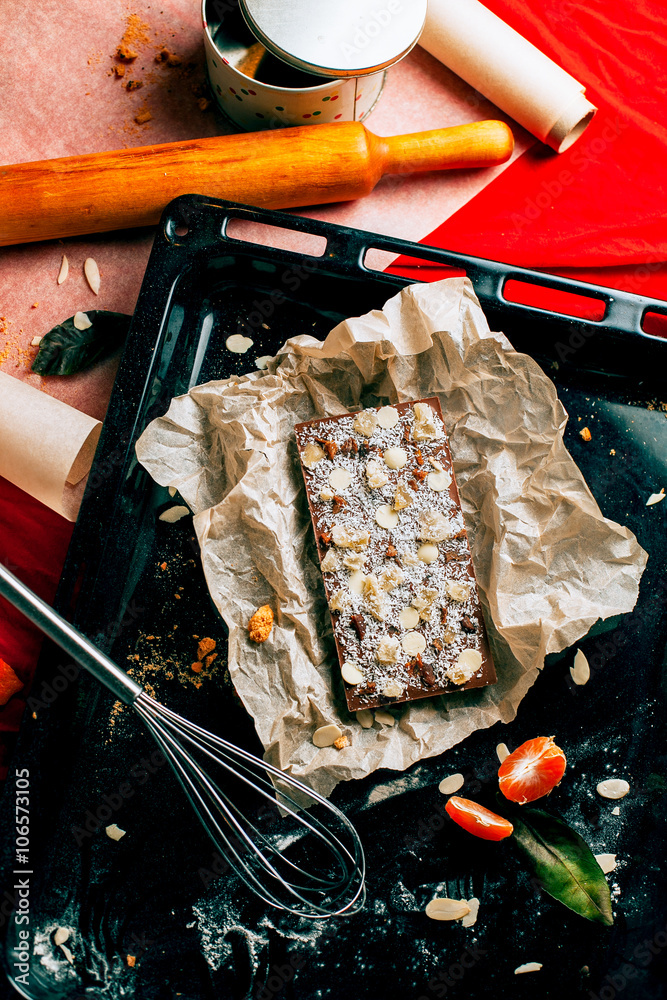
<point>68,638</point>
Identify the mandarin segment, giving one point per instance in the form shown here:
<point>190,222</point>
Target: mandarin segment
<point>9,682</point>
<point>477,819</point>
<point>533,770</point>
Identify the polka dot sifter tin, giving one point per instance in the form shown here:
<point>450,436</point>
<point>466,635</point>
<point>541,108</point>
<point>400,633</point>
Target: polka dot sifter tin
<point>272,64</point>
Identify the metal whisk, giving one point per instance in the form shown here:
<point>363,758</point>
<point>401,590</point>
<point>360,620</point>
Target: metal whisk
<point>316,876</point>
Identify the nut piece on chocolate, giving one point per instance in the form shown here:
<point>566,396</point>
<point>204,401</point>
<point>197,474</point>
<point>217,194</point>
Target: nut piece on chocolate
<point>260,625</point>
<point>393,548</point>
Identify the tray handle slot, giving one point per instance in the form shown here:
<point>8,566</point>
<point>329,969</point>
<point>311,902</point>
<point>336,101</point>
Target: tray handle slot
<point>654,321</point>
<point>565,303</point>
<point>277,237</point>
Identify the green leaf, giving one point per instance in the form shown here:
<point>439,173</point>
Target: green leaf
<point>64,350</point>
<point>563,864</point>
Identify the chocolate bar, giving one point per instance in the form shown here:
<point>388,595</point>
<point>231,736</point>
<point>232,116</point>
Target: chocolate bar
<point>394,554</point>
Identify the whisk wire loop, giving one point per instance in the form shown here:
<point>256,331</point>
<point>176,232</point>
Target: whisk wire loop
<point>248,851</point>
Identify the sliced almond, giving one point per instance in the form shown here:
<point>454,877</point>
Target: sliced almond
<point>114,832</point>
<point>613,788</point>
<point>326,736</point>
<point>413,643</point>
<point>365,718</point>
<point>447,909</point>
<point>607,862</point>
<point>173,514</point>
<point>340,479</point>
<point>451,784</point>
<point>581,671</point>
<point>263,362</point>
<point>92,273</point>
<point>387,417</point>
<point>386,517</point>
<point>64,270</point>
<point>408,618</point>
<point>36,341</point>
<point>471,918</point>
<point>427,553</point>
<point>385,718</point>
<point>395,458</point>
<point>527,967</point>
<point>238,344</point>
<point>61,934</point>
<point>351,673</point>
<point>81,321</point>
<point>502,752</point>
<point>655,498</point>
<point>616,811</point>
<point>67,953</point>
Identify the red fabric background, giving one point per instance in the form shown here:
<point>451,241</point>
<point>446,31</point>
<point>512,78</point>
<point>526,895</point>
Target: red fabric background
<point>596,212</point>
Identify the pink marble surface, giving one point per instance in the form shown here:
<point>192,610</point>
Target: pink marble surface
<point>60,97</point>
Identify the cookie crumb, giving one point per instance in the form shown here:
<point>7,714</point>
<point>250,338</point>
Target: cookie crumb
<point>205,647</point>
<point>261,623</point>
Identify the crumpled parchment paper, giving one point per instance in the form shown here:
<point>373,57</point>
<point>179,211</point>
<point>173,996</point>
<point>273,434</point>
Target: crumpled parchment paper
<point>548,564</point>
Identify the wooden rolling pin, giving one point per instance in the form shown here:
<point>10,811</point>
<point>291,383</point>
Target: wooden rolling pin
<point>283,168</point>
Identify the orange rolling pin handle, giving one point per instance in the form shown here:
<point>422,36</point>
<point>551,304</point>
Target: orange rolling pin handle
<point>480,144</point>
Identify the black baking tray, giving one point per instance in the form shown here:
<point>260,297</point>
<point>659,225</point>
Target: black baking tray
<point>136,897</point>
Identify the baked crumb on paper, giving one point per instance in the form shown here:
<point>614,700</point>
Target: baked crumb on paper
<point>548,564</point>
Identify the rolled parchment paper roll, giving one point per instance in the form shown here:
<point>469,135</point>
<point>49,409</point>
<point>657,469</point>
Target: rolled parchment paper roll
<point>46,446</point>
<point>498,62</point>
